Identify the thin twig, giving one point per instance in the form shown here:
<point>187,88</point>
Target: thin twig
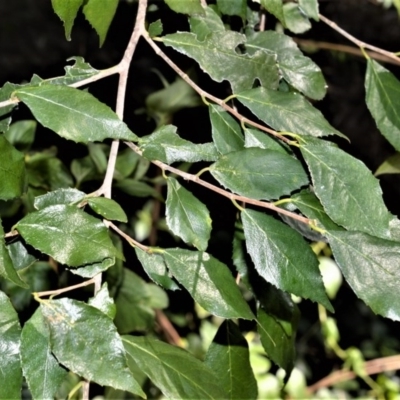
<point>171,334</point>
<point>85,390</point>
<point>67,289</point>
<point>11,234</point>
<point>129,239</point>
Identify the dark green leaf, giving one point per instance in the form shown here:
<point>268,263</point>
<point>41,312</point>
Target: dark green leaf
<point>83,169</point>
<point>202,25</point>
<point>73,114</point>
<point>256,138</point>
<point>86,341</point>
<point>67,234</point>
<point>390,166</point>
<point>91,270</point>
<point>310,7</point>
<point>209,282</point>
<point>259,173</point>
<point>21,134</point>
<point>107,208</point>
<point>217,56</point>
<point>177,373</point>
<point>295,19</point>
<point>228,357</point>
<point>127,161</point>
<point>10,364</point>
<point>233,7</point>
<point>59,196</point>
<point>104,302</point>
<point>187,217</point>
<point>186,7</point>
<point>347,189</point>
<point>5,112</point>
<point>370,266</point>
<point>97,152</point>
<point>67,10</point>
<point>287,111</point>
<point>42,372</point>
<point>282,257</point>
<point>275,7</point>
<point>20,257</point>
<point>155,28</point>
<point>137,188</point>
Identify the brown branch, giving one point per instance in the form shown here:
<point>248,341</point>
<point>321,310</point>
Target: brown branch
<point>129,239</point>
<point>67,289</point>
<point>171,334</point>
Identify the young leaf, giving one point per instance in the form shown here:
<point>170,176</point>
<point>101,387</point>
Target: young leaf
<point>42,372</point>
<point>187,217</point>
<point>177,373</point>
<point>282,257</point>
<point>209,282</point>
<point>390,166</point>
<point>104,302</point>
<point>73,114</point>
<point>155,28</point>
<point>259,173</point>
<point>67,11</point>
<point>287,111</point>
<point>21,134</point>
<point>67,234</point>
<point>217,56</point>
<point>107,208</point>
<point>347,189</point>
<point>226,132</point>
<point>256,138</point>
<point>370,266</point>
<point>382,98</point>
<point>59,196</point>
<point>202,25</point>
<point>228,357</point>
<point>185,7</point>
<point>86,341</point>
<point>10,364</point>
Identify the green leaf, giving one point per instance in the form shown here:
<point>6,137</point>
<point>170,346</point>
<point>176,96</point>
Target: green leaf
<point>167,146</point>
<point>91,270</point>
<point>189,7</point>
<point>287,111</point>
<point>370,266</point>
<point>83,169</point>
<point>155,268</point>
<point>86,341</point>
<point>259,173</point>
<point>127,161</point>
<point>107,208</point>
<point>311,8</point>
<point>256,138</point>
<point>298,70</point>
<point>347,189</point>
<point>382,98</point>
<point>226,132</point>
<point>233,7</point>
<point>155,28</point>
<point>177,373</point>
<point>20,257</point>
<point>282,257</point>
<point>59,196</point>
<point>67,234</point>
<point>275,7</point>
<point>97,152</point>
<point>137,188</point>
<point>390,166</point>
<point>209,282</point>
<point>42,372</point>
<point>73,114</point>
<point>21,134</point>
<point>202,25</point>
<point>5,112</point>
<point>187,217</point>
<point>228,356</point>
<point>10,364</point>
<point>104,302</point>
<point>295,19</point>
<point>100,13</point>
<point>217,56</point>
<point>67,11</point>
<point>12,171</point>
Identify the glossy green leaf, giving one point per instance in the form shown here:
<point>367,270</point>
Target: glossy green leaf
<point>167,146</point>
<point>155,268</point>
<point>282,257</point>
<point>5,112</point>
<point>228,357</point>
<point>311,8</point>
<point>93,269</point>
<point>390,166</point>
<point>275,7</point>
<point>347,189</point>
<point>259,173</point>
<point>233,7</point>
<point>202,25</point>
<point>370,266</point>
<point>67,11</point>
<point>382,98</point>
<point>177,373</point>
<point>12,171</point>
<point>21,134</point>
<point>287,111</point>
<point>104,302</point>
<point>186,216</point>
<point>41,369</point>
<point>217,56</point>
<point>67,234</point>
<point>295,19</point>
<point>155,28</point>
<point>298,70</point>
<point>107,208</point>
<point>59,196</point>
<point>256,138</point>
<point>10,364</point>
<point>100,13</point>
<point>185,7</point>
<point>20,256</point>
<point>86,341</point>
<point>73,114</point>
<point>209,282</point>
<point>226,132</point>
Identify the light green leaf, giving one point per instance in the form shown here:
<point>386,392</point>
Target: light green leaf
<point>275,7</point>
<point>155,28</point>
<point>282,257</point>
<point>93,269</point>
<point>189,7</point>
<point>208,281</point>
<point>259,173</point>
<point>73,114</point>
<point>217,56</point>
<point>287,111</point>
<point>390,166</point>
<point>100,13</point>
<point>298,70</point>
<point>107,208</point>
<point>370,266</point>
<point>21,134</point>
<point>202,25</point>
<point>228,356</point>
<point>104,302</point>
<point>177,373</point>
<point>12,171</point>
<point>295,19</point>
<point>186,216</point>
<point>59,196</point>
<point>10,364</point>
<point>42,372</point>
<point>233,7</point>
<point>347,189</point>
<point>256,138</point>
<point>226,132</point>
<point>86,341</point>
<point>67,10</point>
<point>382,98</point>
<point>311,8</point>
<point>67,234</point>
